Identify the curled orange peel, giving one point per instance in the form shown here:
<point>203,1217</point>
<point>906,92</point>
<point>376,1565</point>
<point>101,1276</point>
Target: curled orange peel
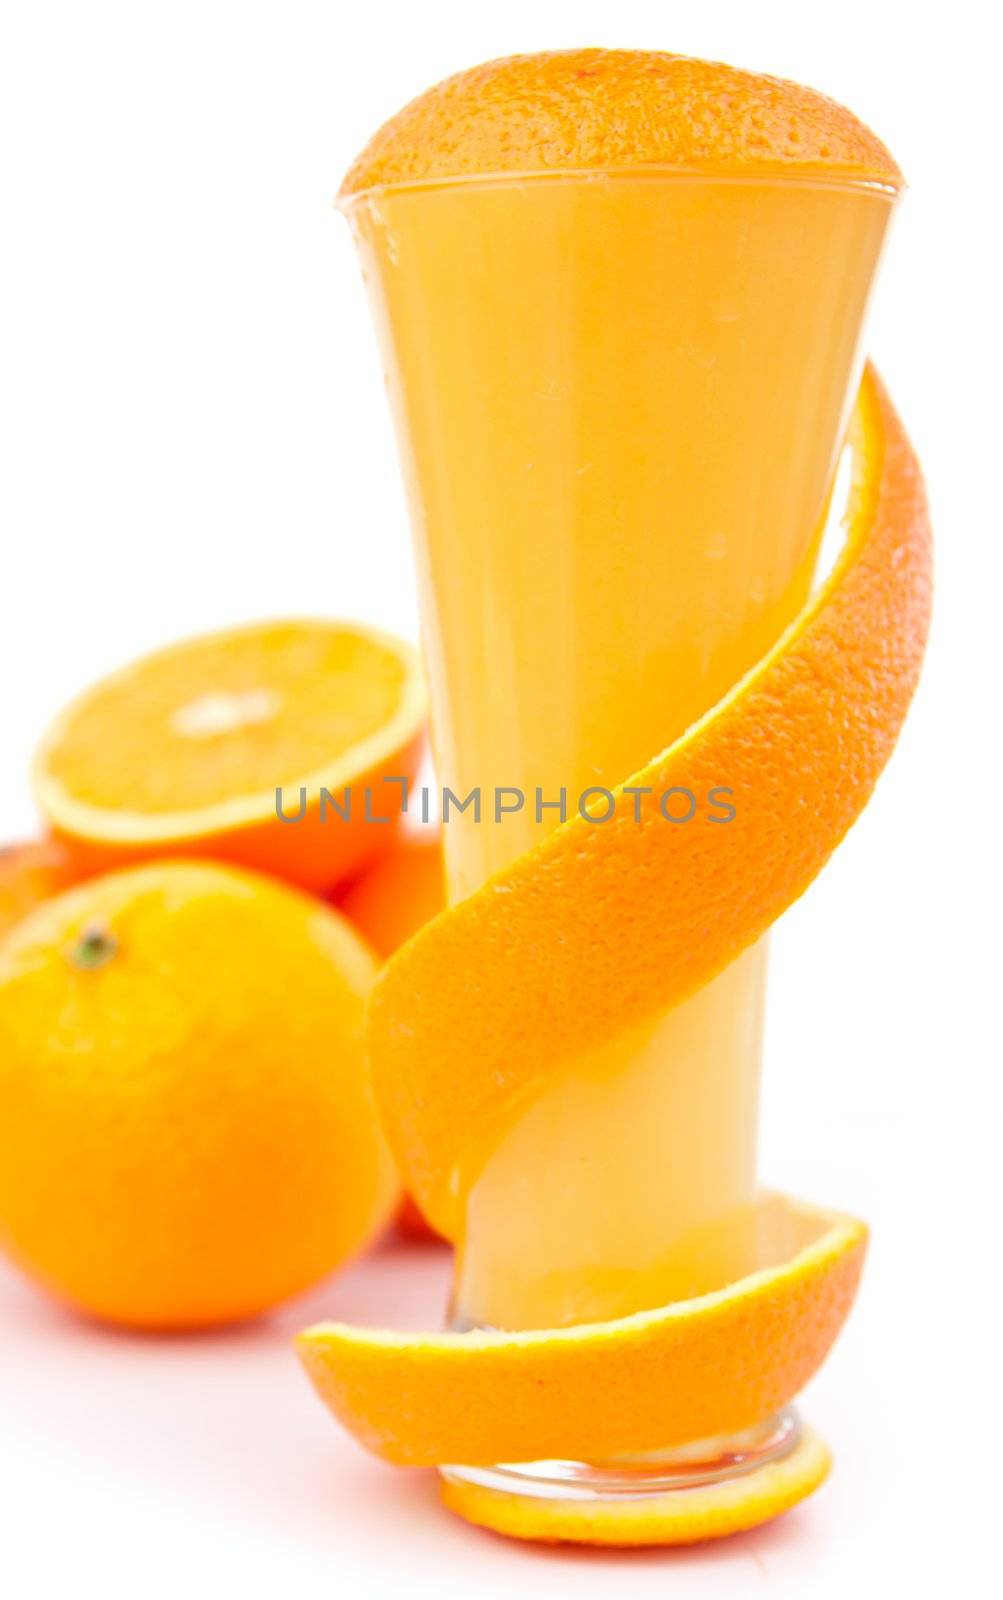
<point>590,932</point>
<point>692,1370</point>
<point>599,928</point>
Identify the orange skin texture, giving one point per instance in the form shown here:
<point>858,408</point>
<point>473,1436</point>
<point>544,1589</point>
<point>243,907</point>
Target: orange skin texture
<point>660,1378</point>
<point>395,897</point>
<point>575,110</point>
<point>30,874</point>
<point>187,1135</point>
<point>599,928</point>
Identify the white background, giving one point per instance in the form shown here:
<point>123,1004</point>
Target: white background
<point>193,432</point>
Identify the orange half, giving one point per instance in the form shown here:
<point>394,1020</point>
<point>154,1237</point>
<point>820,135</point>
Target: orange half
<point>188,751</point>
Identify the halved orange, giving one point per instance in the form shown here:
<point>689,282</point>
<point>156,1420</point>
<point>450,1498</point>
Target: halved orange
<point>280,745</point>
<point>693,1370</point>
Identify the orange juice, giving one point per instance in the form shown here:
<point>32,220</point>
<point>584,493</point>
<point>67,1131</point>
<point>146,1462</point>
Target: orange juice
<point>620,398</point>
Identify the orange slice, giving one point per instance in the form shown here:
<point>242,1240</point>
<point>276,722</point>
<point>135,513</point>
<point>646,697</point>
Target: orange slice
<point>680,1516</point>
<point>597,929</point>
<point>692,1370</point>
<point>183,752</point>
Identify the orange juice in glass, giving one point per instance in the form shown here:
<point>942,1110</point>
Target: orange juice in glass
<point>620,393</point>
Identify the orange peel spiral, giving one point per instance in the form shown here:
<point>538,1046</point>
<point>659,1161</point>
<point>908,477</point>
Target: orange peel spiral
<point>597,929</point>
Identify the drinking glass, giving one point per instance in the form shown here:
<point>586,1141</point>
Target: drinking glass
<point>620,399</point>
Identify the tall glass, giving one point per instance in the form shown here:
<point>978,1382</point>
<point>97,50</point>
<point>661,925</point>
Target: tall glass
<point>620,399</point>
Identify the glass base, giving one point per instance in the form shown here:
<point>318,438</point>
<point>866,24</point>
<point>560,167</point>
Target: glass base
<point>640,1477</point>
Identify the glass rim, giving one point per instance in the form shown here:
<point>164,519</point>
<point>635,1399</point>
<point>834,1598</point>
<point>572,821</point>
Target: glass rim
<point>765,175</point>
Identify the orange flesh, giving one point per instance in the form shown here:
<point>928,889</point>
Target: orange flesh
<point>204,724</point>
<point>273,746</point>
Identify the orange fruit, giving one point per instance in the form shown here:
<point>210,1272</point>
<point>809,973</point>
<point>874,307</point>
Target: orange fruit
<point>691,1370</point>
<point>183,752</point>
<point>399,893</point>
<point>392,899</point>
<point>187,1135</point>
<point>413,1225</point>
<point>578,928</point>
<point>571,110</point>
<point>31,873</point>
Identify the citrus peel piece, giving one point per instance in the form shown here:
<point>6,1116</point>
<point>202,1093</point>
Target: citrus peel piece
<point>679,1516</point>
<point>598,928</point>
<point>692,1370</point>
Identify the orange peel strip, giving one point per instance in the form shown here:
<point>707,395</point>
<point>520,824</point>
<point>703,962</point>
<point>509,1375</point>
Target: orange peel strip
<point>681,1516</point>
<point>691,1370</point>
<point>597,929</point>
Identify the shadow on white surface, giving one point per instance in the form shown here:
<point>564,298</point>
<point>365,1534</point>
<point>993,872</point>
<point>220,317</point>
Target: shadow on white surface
<point>217,1441</point>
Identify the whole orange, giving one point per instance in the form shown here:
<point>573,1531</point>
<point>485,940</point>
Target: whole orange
<point>187,1135</point>
<point>399,893</point>
<point>389,902</point>
<point>31,872</point>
